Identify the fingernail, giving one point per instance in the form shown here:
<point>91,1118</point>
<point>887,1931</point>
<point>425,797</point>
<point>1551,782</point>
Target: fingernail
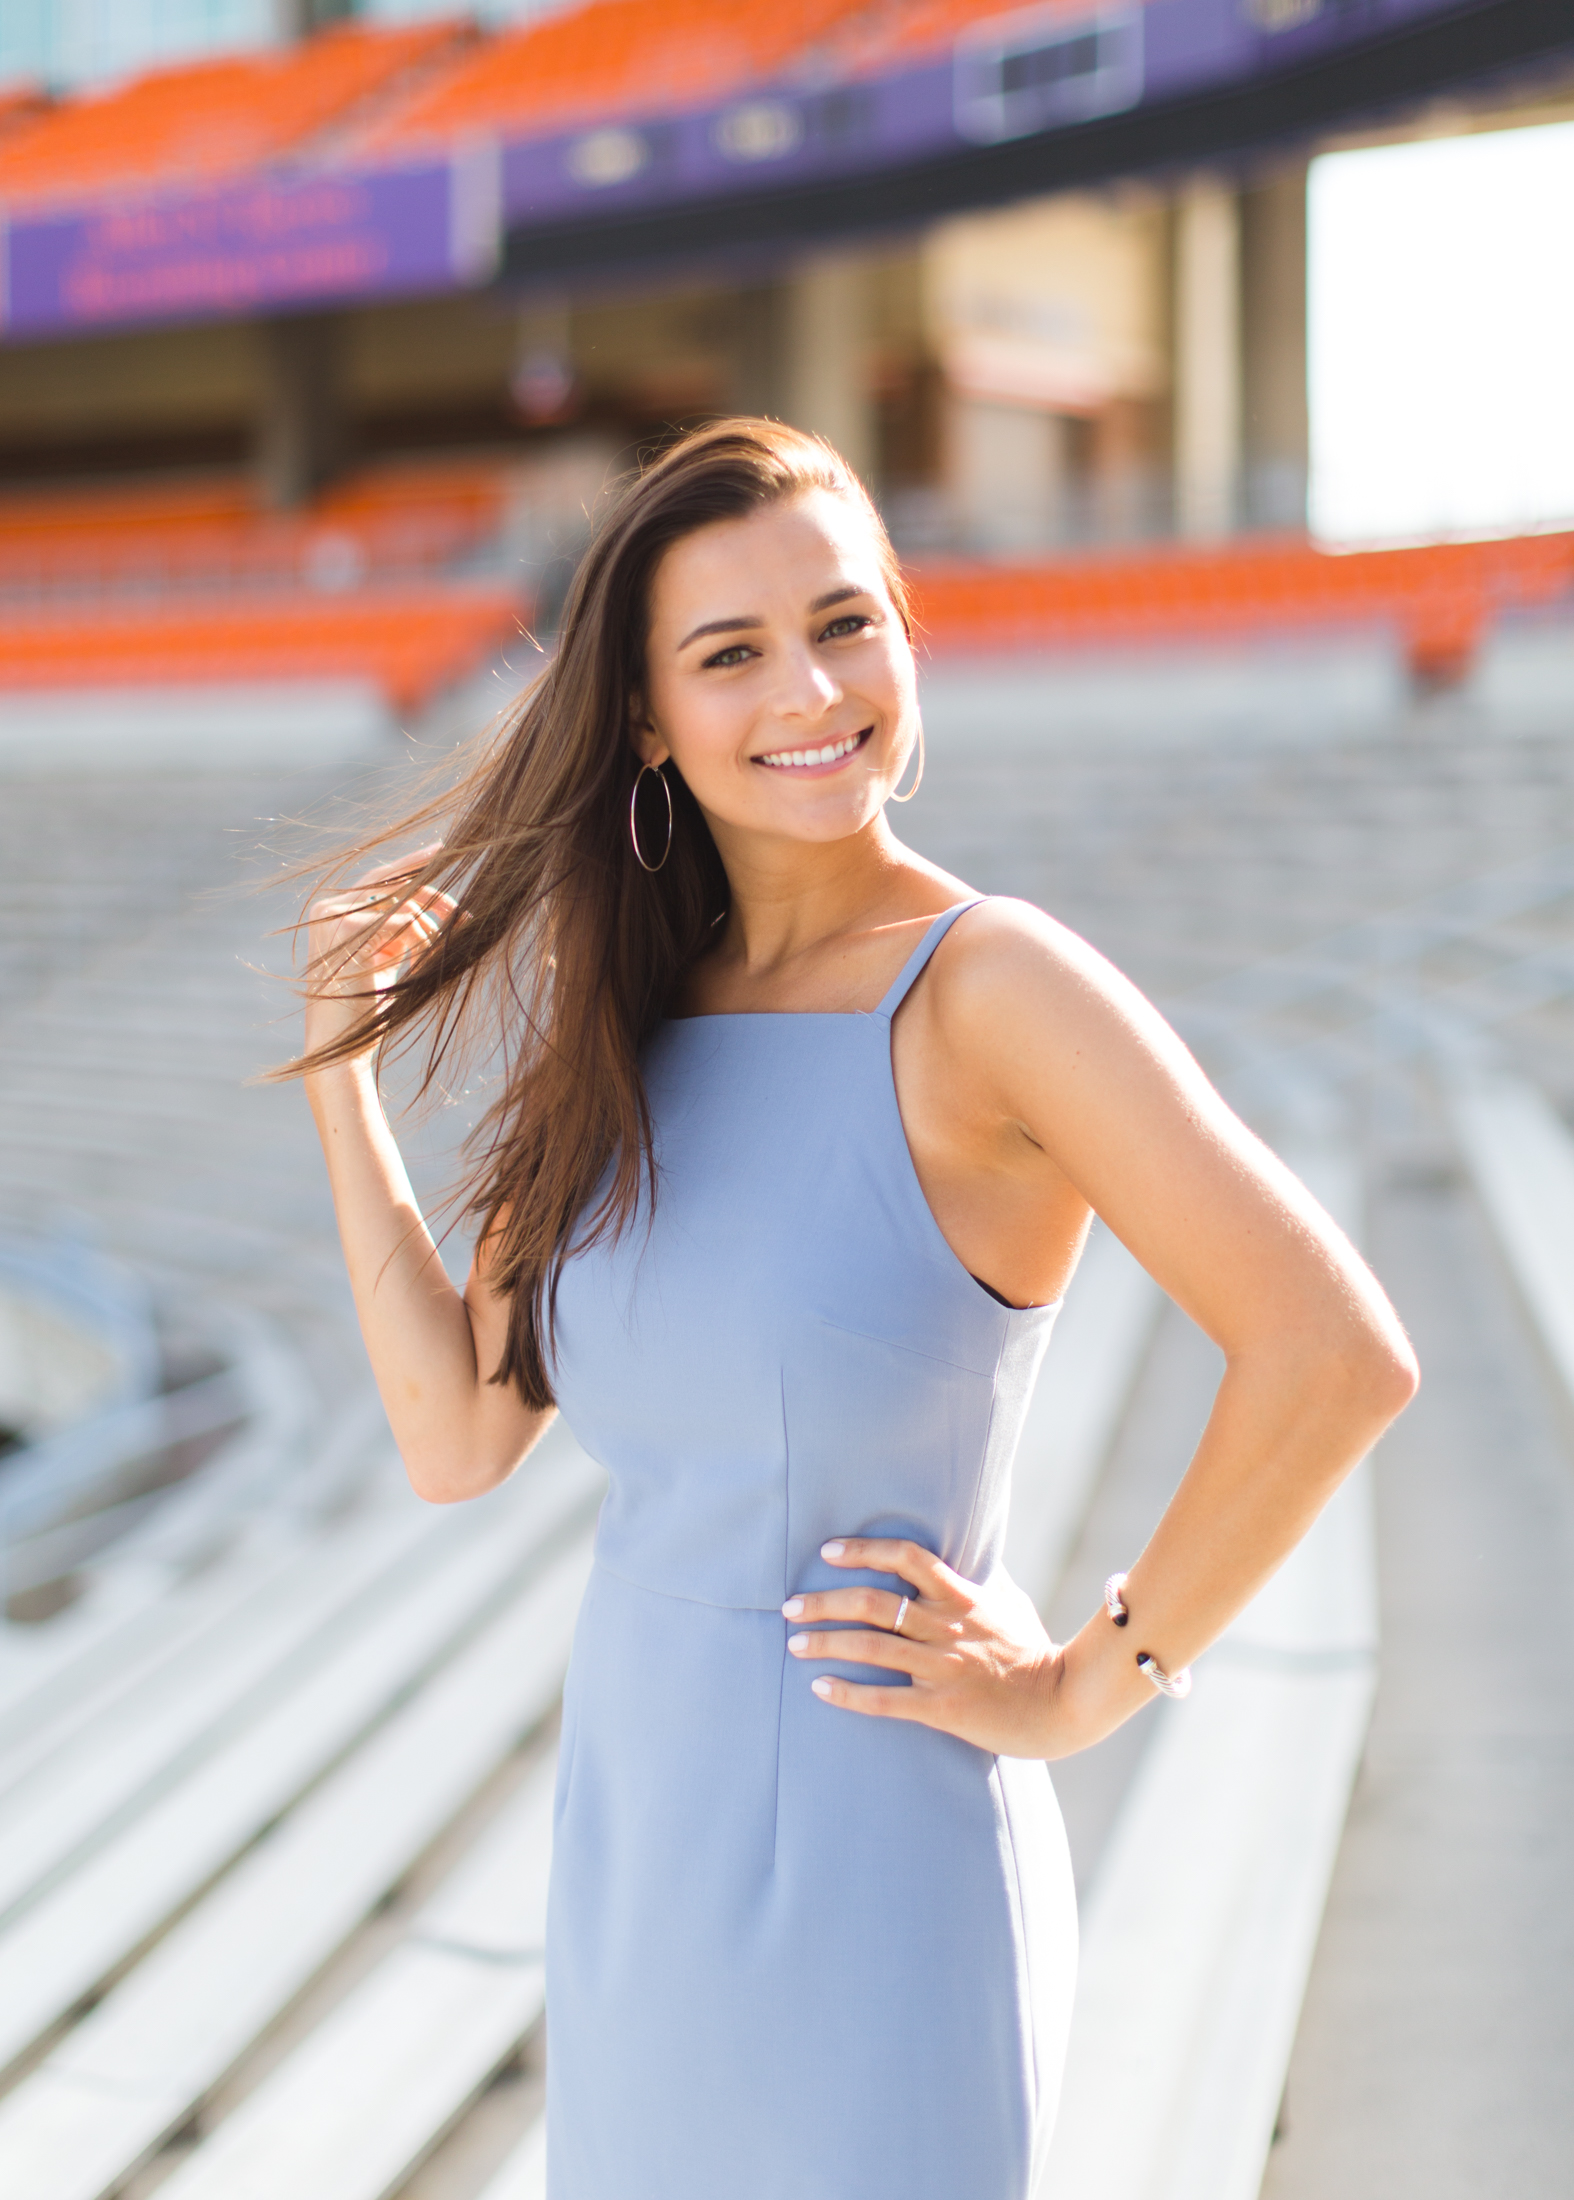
<point>792,1608</point>
<point>821,1687</point>
<point>797,1644</point>
<point>833,1550</point>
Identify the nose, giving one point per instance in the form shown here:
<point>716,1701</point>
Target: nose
<point>807,689</point>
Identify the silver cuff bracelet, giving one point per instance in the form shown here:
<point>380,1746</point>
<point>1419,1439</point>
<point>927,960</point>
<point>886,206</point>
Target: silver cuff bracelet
<point>1167,1684</point>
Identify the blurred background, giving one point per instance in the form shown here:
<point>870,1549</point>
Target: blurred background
<point>1210,361</point>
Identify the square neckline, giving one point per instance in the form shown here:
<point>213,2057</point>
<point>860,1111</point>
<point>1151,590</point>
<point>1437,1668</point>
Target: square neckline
<point>890,1001</point>
<point>898,991</point>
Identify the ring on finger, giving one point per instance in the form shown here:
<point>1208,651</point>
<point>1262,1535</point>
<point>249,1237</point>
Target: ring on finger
<point>901,1614</point>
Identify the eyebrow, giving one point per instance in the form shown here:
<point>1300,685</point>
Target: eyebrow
<point>750,620</point>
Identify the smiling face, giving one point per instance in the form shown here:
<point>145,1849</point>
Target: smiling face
<point>779,678</point>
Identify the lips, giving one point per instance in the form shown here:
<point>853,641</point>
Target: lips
<point>818,755</point>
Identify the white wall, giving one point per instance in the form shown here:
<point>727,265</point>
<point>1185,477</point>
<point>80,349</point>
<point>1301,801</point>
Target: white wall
<point>1441,340</point>
<point>67,42</point>
<point>85,41</point>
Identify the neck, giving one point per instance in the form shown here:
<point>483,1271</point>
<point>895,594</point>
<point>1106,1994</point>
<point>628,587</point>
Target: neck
<point>788,896</point>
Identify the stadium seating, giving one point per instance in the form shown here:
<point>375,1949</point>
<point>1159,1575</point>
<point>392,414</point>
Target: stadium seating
<point>197,581</point>
<point>412,642</point>
<point>1440,597</point>
<point>612,57</point>
<point>623,56</point>
<point>215,532</point>
<point>19,103</point>
<point>181,582</point>
<point>209,118</point>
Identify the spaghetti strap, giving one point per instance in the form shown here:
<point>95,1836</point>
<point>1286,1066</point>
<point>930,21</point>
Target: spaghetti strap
<point>913,968</point>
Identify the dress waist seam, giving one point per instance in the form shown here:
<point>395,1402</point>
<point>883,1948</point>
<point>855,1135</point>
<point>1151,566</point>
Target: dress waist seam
<point>677,1596</point>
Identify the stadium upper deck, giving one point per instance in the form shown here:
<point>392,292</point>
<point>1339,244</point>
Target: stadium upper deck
<point>377,163</point>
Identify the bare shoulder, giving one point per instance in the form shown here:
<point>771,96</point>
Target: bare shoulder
<point>1006,960</point>
<point>1042,1019</point>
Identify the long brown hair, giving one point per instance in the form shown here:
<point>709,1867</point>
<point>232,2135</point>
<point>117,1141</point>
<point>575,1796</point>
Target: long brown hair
<point>568,951</point>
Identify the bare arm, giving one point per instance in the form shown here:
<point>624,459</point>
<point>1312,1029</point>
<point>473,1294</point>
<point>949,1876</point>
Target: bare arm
<point>1107,1102</point>
<point>431,1347</point>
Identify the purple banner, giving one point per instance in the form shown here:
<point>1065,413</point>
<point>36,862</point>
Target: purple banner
<point>235,249</point>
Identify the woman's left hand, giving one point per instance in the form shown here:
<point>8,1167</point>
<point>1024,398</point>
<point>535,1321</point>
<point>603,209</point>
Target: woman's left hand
<point>979,1661</point>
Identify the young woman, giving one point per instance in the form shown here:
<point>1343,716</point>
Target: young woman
<point>796,1148</point>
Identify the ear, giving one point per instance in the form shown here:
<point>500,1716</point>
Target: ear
<point>648,745</point>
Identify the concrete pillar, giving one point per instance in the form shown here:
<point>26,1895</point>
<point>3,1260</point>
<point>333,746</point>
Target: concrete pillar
<point>759,368</point>
<point>826,365</point>
<point>1207,340</point>
<point>303,438</point>
<point>800,355</point>
<point>293,19</point>
<point>1005,474</point>
<point>1273,349</point>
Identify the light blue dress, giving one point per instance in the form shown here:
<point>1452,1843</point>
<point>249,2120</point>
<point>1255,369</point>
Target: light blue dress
<point>792,1953</point>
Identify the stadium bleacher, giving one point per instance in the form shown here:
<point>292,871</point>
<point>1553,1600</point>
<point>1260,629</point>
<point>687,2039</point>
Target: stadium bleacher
<point>216,532</point>
<point>397,575</point>
<point>195,582</point>
<point>211,118</point>
<point>604,60</point>
<point>410,643</point>
<point>1440,599</point>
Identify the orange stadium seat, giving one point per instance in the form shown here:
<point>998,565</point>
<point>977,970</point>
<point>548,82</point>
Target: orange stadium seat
<point>411,641</point>
<point>177,582</point>
<point>881,37</point>
<point>209,119</point>
<point>19,103</point>
<point>1439,597</point>
<point>407,518</point>
<point>611,57</point>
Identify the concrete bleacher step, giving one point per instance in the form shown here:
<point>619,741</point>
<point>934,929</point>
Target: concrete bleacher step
<point>1200,1927</point>
<point>132,1641</point>
<point>523,2175</point>
<point>164,1585</point>
<point>159,2042</point>
<point>1199,1934</point>
<point>85,1485</point>
<point>367,2095</point>
<point>1095,1350</point>
<point>89,1921</point>
<point>1520,1154</point>
<point>138,1612</point>
<point>125,1760</point>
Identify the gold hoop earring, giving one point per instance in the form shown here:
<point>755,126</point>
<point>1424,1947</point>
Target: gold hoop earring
<point>893,796</point>
<point>633,825</point>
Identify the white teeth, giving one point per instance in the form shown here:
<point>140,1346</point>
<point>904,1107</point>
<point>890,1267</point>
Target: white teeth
<point>799,758</point>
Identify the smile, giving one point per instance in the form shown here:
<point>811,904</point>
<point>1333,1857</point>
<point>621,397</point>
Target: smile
<point>832,752</point>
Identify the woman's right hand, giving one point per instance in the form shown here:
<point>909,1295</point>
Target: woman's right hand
<point>354,952</point>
